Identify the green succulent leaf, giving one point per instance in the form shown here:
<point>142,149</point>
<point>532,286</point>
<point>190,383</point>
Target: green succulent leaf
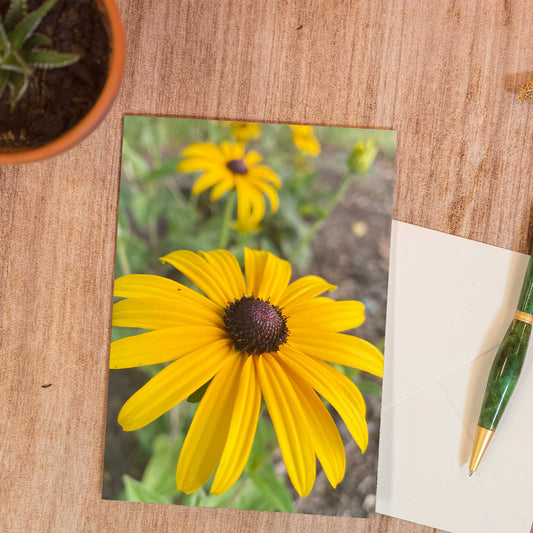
<point>37,40</point>
<point>48,59</point>
<point>4,39</point>
<point>18,83</point>
<point>4,76</point>
<point>21,48</point>
<point>22,31</point>
<point>16,12</point>
<point>15,63</point>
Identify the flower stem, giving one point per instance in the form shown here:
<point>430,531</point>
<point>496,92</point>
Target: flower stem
<point>123,258</point>
<point>317,226</point>
<point>228,211</point>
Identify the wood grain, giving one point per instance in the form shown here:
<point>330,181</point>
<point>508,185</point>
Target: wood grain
<point>445,75</point>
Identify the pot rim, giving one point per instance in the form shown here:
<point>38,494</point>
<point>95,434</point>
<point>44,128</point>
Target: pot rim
<point>98,111</point>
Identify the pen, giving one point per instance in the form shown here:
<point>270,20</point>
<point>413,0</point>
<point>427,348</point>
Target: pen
<point>505,370</point>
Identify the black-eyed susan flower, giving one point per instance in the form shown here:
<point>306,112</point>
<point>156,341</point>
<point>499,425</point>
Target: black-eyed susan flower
<point>228,167</point>
<point>244,131</point>
<point>304,138</point>
<point>257,336</point>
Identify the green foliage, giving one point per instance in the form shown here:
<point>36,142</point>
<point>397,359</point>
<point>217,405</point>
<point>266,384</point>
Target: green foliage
<point>259,488</point>
<point>22,50</point>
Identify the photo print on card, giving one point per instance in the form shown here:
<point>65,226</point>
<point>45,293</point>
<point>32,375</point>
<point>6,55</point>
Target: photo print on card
<point>249,317</point>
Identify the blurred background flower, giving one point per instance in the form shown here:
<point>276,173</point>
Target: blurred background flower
<point>305,139</point>
<point>227,167</point>
<point>244,131</point>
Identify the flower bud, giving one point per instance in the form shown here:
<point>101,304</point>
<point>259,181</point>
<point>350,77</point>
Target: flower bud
<point>362,156</point>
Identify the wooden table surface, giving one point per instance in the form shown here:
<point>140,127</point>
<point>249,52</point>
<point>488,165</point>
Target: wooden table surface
<point>445,75</point>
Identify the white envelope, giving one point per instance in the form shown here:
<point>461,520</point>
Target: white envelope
<point>450,303</point>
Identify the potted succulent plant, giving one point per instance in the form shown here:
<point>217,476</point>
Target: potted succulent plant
<point>61,63</point>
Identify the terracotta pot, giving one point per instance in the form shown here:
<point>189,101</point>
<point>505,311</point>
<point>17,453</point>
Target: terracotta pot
<point>102,105</point>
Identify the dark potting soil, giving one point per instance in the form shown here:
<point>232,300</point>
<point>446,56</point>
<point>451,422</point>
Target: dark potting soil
<point>57,99</point>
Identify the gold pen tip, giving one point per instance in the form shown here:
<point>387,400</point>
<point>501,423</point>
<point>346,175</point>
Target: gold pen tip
<point>470,472</point>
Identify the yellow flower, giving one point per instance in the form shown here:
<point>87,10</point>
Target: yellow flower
<point>305,139</point>
<point>256,337</point>
<point>228,167</point>
<point>244,131</point>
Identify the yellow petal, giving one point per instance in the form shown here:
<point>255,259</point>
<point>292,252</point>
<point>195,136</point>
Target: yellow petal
<point>193,164</point>
<point>244,203</point>
<point>336,388</point>
<point>303,289</point>
<point>243,131</point>
<point>232,151</point>
<point>162,345</point>
<point>257,203</point>
<point>174,383</point>
<point>209,179</point>
<point>207,435</point>
<point>276,277</point>
<point>226,265</point>
<point>157,313</point>
<point>268,191</point>
<point>201,273</point>
<point>254,267</point>
<point>221,188</point>
<point>252,158</point>
<point>338,348</point>
<point>249,227</point>
<point>301,131</point>
<point>241,431</point>
<point>146,285</point>
<point>264,173</point>
<point>325,313</point>
<point>289,423</point>
<point>326,439</point>
<point>204,150</point>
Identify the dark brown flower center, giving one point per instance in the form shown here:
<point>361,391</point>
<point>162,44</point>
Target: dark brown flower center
<point>237,166</point>
<point>255,326</point>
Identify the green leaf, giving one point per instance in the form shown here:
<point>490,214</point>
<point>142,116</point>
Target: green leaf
<point>147,435</point>
<point>19,84</point>
<point>15,63</point>
<point>135,491</point>
<point>17,10</point>
<point>38,39</point>
<point>146,209</point>
<point>198,394</point>
<point>167,169</point>
<point>273,489</point>
<point>134,159</point>
<point>48,59</point>
<point>369,387</point>
<point>4,39</point>
<point>264,442</point>
<point>160,472</point>
<point>28,24</point>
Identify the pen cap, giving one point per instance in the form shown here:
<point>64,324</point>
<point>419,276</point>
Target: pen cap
<point>525,303</point>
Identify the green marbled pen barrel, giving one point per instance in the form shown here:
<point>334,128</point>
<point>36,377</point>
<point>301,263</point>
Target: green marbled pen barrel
<point>505,370</point>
